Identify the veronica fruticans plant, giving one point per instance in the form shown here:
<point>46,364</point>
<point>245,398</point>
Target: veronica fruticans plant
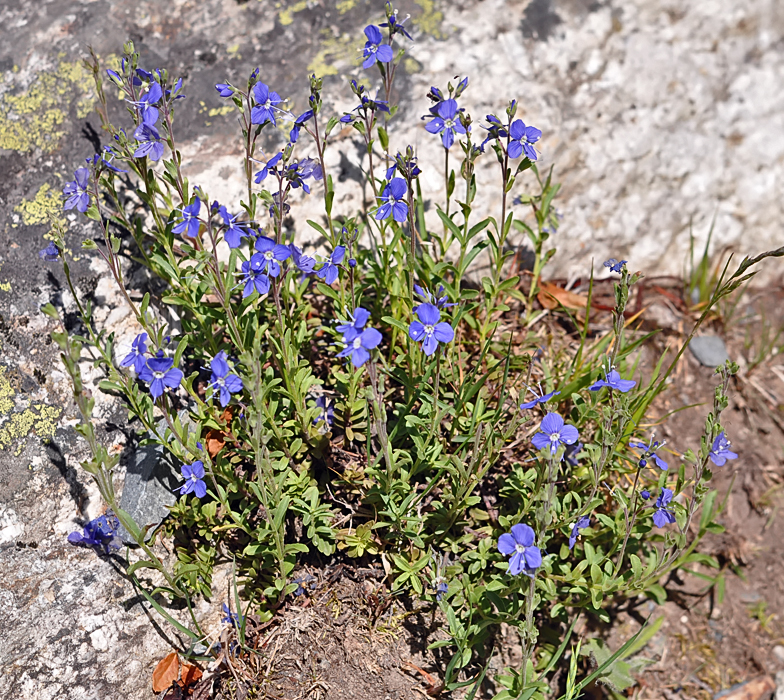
<point>289,358</point>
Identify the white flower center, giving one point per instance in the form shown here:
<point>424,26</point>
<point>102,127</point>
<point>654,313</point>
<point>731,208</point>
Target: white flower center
<point>159,375</point>
<point>429,330</point>
<point>268,104</point>
<point>449,123</point>
<point>357,342</point>
<point>520,548</point>
<point>269,255</point>
<point>555,437</point>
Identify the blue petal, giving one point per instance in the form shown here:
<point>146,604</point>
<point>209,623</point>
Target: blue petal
<point>373,33</point>
<point>428,314</point>
<point>384,53</point>
<point>435,125</point>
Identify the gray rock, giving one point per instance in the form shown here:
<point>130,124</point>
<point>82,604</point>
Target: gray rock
<point>709,350</point>
<point>150,481</point>
<point>780,686</point>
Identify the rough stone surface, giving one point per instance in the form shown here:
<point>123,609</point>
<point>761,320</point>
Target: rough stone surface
<point>655,116</point>
<point>150,480</point>
<point>709,350</point>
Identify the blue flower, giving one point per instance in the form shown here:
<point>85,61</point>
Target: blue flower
<point>255,279</point>
<point>615,265</point>
<point>149,142</point>
<point>446,122</point>
<point>442,302</point>
<point>406,165</point>
<point>105,161</point>
<point>50,253</point>
<point>327,415</point>
<point>304,263</point>
<point>358,343</point>
<point>298,124</point>
<point>396,27</point>
<point>544,398</point>
<point>269,165</point>
<point>496,130</point>
<point>146,102</point>
<point>303,583</point>
<point>429,330</point>
<point>645,494</point>
<point>358,320</point>
<point>613,380</point>
<point>581,524</point>
<point>649,451</point>
<point>519,543</point>
<point>374,50</point>
<point>272,253</point>
<point>441,588</point>
<point>235,230</point>
<point>115,77</point>
<point>194,479</point>
<point>522,138</point>
<point>76,191</point>
<point>365,105</point>
<point>189,223</point>
<point>266,105</point>
<point>662,515</point>
<point>100,534</point>
<point>222,381</point>
<point>159,372</point>
<point>329,270</point>
<point>297,173</point>
<point>393,197</point>
<point>571,452</point>
<point>136,357</point>
<point>224,89</point>
<point>553,433</point>
<point>233,619</point>
<point>720,450</point>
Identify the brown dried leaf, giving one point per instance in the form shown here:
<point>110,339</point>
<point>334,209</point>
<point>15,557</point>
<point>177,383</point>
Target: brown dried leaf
<point>551,295</point>
<point>166,672</point>
<point>190,674</point>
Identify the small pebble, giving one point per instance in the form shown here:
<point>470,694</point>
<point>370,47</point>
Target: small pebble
<point>709,350</point>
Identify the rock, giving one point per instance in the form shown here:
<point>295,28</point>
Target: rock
<point>709,350</point>
<point>780,685</point>
<point>778,652</point>
<point>150,481</point>
<point>757,689</point>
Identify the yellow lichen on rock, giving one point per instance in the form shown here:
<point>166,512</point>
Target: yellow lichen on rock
<point>430,20</point>
<point>39,419</point>
<point>334,50</point>
<point>46,204</point>
<point>6,393</point>
<point>35,117</point>
<point>287,16</point>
